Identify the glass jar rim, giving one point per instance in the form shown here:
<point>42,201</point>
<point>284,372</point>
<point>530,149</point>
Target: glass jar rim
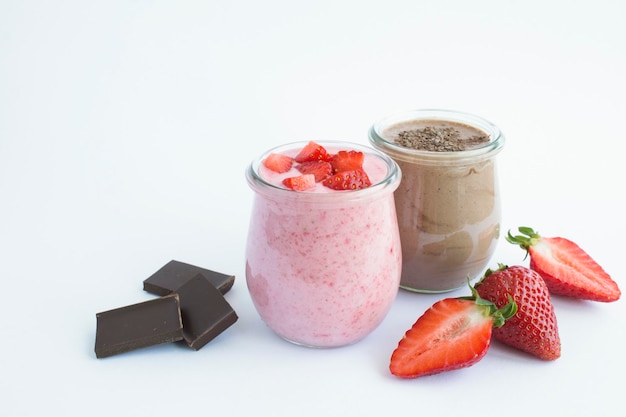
<point>389,182</point>
<point>399,152</point>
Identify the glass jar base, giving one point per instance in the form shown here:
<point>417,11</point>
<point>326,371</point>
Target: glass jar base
<point>321,346</point>
<point>437,291</point>
<point>311,346</point>
<point>422,291</point>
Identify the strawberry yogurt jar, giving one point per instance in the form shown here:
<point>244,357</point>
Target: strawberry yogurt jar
<point>323,263</point>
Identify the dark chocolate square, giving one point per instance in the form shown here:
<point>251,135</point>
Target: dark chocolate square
<point>174,274</point>
<point>138,325</point>
<point>205,312</point>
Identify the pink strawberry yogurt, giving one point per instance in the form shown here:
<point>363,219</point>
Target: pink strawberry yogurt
<point>323,266</point>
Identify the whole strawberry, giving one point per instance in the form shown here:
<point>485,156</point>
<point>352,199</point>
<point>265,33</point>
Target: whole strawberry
<point>567,269</point>
<point>533,328</point>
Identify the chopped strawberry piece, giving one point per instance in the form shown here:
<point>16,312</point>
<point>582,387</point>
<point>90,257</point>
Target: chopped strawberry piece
<point>312,152</point>
<point>320,169</point>
<point>453,333</point>
<point>278,162</point>
<point>533,328</point>
<point>300,183</point>
<point>348,180</point>
<point>347,160</point>
<point>566,268</point>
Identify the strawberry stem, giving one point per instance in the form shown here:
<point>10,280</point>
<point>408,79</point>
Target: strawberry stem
<point>498,315</point>
<point>489,271</point>
<point>527,238</point>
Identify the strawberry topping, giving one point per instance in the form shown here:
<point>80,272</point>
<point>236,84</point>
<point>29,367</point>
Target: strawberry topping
<point>348,180</point>
<point>342,171</point>
<point>347,161</point>
<point>278,162</point>
<point>320,169</point>
<point>300,183</point>
<point>312,152</point>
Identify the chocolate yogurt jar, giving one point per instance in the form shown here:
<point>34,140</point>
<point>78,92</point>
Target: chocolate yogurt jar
<point>448,201</point>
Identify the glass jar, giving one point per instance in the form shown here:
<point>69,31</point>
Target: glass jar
<point>448,203</point>
<point>323,266</point>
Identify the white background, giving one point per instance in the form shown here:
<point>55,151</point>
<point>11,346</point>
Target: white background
<point>125,130</point>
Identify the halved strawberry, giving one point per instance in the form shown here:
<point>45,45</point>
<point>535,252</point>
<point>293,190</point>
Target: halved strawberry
<point>300,182</point>
<point>348,180</point>
<point>278,162</point>
<point>452,334</point>
<point>533,328</point>
<point>320,169</point>
<point>347,160</point>
<point>567,269</point>
<point>312,152</point>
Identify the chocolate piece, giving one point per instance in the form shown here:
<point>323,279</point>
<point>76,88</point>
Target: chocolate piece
<point>138,325</point>
<point>174,274</point>
<point>205,311</point>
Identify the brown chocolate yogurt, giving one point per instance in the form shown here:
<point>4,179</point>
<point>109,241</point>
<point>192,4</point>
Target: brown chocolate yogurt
<point>448,203</point>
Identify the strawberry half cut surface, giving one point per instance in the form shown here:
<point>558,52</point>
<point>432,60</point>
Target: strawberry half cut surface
<point>312,152</point>
<point>533,328</point>
<point>566,268</point>
<point>453,333</point>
